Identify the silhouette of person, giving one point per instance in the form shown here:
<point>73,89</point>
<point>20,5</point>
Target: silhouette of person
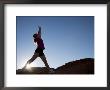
<point>39,51</point>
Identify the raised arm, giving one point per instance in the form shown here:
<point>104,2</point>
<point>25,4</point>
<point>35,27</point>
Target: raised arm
<point>39,32</point>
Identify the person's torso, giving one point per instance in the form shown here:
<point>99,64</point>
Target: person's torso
<point>40,43</point>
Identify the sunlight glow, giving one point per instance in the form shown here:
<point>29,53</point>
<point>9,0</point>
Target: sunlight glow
<point>28,66</point>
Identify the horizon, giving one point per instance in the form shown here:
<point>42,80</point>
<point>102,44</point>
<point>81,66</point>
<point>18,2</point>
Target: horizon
<point>66,38</point>
<point>60,65</point>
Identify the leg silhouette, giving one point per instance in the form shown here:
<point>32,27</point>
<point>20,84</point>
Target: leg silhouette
<point>45,61</point>
<point>32,59</point>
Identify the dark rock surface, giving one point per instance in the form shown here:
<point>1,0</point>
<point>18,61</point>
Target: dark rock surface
<point>82,66</point>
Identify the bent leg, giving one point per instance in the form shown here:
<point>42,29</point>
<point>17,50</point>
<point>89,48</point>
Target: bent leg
<point>45,61</point>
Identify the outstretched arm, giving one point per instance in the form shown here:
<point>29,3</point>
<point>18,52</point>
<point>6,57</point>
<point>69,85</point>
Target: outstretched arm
<point>39,32</point>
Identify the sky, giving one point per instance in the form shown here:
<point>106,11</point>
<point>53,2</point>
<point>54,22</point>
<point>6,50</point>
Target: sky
<point>66,38</point>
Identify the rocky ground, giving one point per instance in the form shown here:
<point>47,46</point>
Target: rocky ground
<point>82,66</point>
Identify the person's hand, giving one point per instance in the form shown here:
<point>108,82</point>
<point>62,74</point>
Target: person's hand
<point>39,32</point>
<point>39,27</point>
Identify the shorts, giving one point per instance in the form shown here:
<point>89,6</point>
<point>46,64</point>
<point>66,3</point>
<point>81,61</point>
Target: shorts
<point>40,51</point>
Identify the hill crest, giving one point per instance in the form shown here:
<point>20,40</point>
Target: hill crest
<point>82,66</point>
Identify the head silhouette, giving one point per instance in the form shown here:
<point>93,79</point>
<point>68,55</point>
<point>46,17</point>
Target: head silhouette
<point>36,36</point>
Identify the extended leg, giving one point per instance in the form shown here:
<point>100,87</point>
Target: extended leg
<point>46,64</point>
<point>45,61</point>
<point>32,59</point>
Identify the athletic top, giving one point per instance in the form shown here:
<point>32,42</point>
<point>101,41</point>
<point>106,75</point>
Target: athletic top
<point>39,43</point>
